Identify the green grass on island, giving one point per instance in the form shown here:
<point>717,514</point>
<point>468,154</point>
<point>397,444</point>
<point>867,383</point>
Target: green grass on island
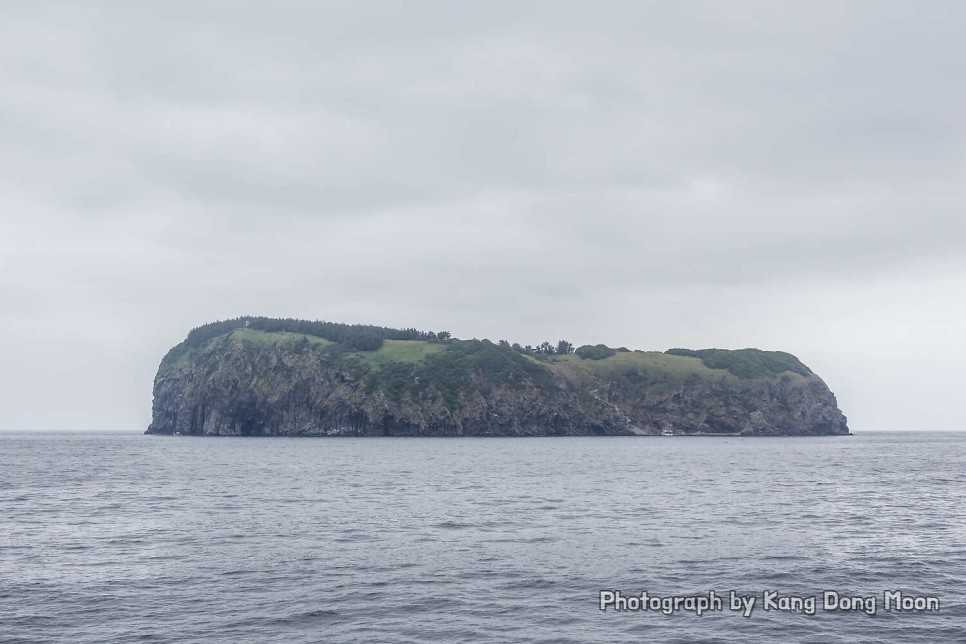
<point>397,351</point>
<point>277,338</point>
<point>384,355</point>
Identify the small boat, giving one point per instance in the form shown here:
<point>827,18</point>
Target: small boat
<point>667,431</point>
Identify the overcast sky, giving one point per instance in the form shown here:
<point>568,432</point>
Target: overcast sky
<point>786,176</point>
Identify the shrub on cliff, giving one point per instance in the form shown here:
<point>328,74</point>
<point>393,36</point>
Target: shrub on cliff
<point>746,363</point>
<point>595,352</point>
<point>460,367</point>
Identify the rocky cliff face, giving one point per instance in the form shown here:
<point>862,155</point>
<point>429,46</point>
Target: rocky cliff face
<point>253,383</point>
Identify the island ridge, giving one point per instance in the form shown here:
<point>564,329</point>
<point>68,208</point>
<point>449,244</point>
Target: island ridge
<point>256,376</point>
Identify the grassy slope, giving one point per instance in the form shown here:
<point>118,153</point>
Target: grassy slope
<point>660,367</point>
<point>397,351</point>
<point>248,336</point>
<point>675,367</point>
<point>276,338</point>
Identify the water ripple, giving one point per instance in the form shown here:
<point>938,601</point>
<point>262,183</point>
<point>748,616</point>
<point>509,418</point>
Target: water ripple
<point>127,538</point>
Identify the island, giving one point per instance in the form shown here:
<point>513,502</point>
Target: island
<point>258,376</point>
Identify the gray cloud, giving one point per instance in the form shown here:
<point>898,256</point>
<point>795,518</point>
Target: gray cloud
<point>698,173</point>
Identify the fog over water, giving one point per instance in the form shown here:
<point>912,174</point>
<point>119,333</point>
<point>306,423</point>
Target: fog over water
<point>651,175</point>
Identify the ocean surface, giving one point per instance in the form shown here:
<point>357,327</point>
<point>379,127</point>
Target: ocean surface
<point>131,538</point>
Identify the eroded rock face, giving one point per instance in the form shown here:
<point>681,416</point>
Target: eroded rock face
<point>236,388</point>
<point>795,405</point>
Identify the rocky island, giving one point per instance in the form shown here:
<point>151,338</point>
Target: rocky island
<point>258,376</point>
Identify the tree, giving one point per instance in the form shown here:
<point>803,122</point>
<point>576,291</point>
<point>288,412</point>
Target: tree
<point>545,348</point>
<point>595,352</point>
<point>564,347</point>
<point>444,335</point>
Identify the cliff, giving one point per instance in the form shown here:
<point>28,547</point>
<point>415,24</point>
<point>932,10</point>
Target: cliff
<point>234,380</point>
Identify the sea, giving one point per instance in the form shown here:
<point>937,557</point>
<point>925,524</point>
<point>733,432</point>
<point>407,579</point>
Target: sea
<point>114,537</point>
